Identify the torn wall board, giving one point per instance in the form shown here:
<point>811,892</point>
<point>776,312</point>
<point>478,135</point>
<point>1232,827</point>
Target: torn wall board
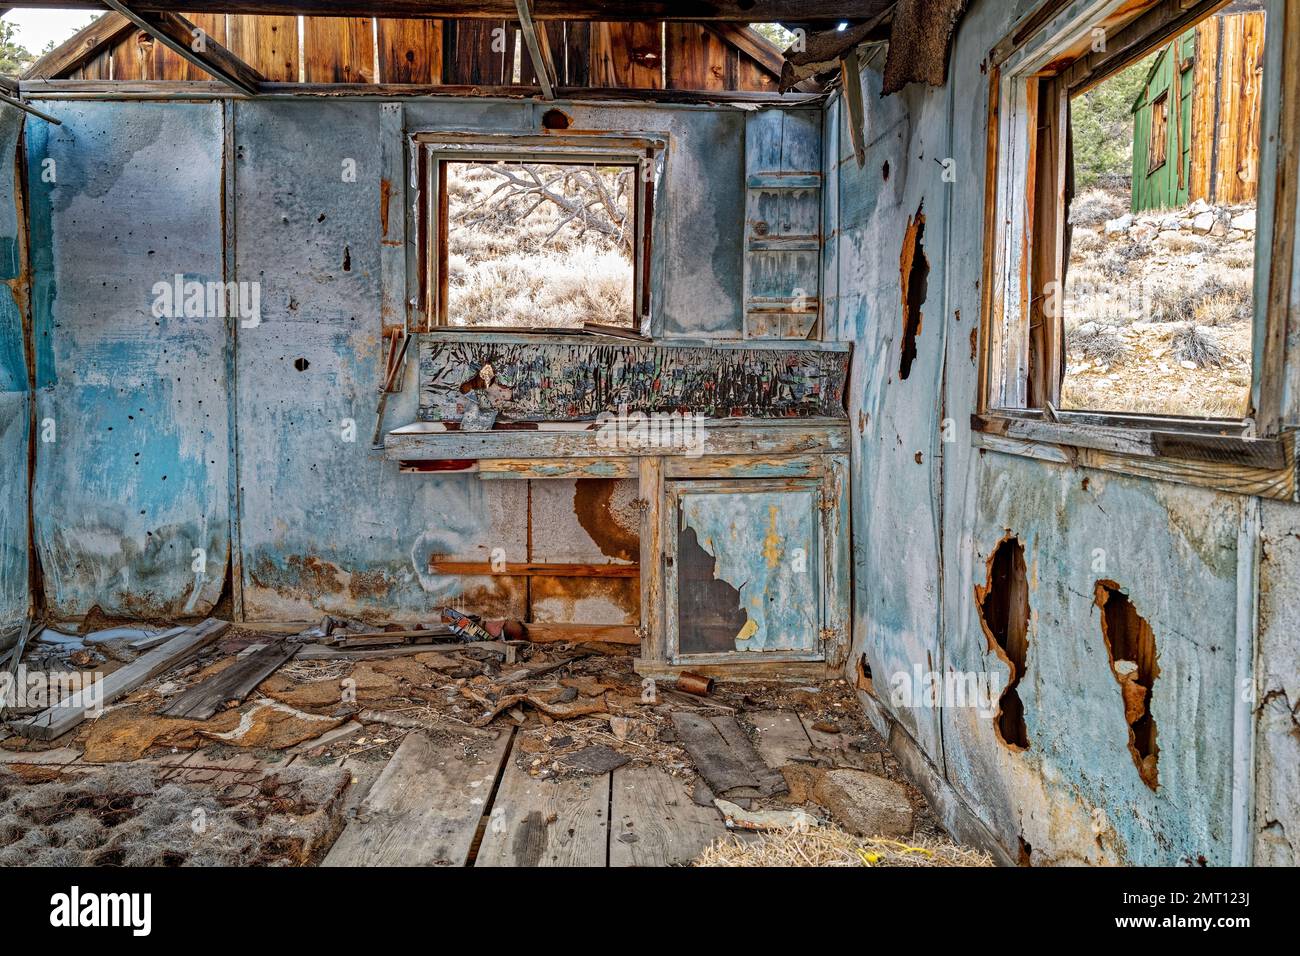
<point>577,382</point>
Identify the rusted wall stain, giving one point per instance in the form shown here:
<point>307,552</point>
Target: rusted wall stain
<point>616,531</point>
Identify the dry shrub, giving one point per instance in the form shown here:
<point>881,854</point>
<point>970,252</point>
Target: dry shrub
<point>1181,242</point>
<point>831,846</point>
<point>1085,240</point>
<point>514,262</point>
<point>1220,299</point>
<point>1194,344</point>
<point>1092,207</point>
<point>1098,343</point>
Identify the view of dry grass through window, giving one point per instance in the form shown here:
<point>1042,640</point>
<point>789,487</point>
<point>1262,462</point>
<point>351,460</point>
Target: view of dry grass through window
<point>1158,300</point>
<point>539,245</point>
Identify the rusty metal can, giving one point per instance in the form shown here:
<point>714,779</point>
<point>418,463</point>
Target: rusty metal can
<point>696,684</point>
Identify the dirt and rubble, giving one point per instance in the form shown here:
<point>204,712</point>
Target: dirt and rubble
<point>273,777</point>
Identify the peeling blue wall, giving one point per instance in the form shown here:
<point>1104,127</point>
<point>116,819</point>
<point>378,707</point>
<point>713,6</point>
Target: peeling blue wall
<point>131,469</point>
<point>158,420</point>
<point>928,515</point>
<point>15,394</point>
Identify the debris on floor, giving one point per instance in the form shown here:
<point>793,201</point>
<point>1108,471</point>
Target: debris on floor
<point>341,740</point>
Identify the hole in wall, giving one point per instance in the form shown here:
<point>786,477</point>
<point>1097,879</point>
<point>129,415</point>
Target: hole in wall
<point>1004,615</point>
<point>1026,854</point>
<point>914,270</point>
<point>884,171</point>
<point>301,364</point>
<point>864,675</point>
<point>556,119</point>
<point>1131,645</point>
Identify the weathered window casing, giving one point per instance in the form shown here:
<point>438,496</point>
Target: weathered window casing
<point>429,151</point>
<point>1033,74</point>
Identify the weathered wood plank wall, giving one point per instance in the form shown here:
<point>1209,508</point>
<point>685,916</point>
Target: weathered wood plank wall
<point>630,55</point>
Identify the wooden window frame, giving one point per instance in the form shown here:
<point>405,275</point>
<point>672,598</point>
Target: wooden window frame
<point>430,151</point>
<point>1034,72</point>
<point>1152,162</point>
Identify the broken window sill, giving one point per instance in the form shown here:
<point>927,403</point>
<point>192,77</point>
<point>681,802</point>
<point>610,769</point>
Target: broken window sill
<point>1208,454</point>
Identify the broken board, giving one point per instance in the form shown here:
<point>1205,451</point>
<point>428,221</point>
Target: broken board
<point>67,714</point>
<point>232,685</point>
<point>555,822</point>
<point>425,808</point>
<point>781,736</point>
<point>725,757</point>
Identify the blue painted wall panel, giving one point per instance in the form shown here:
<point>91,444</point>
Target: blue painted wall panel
<point>134,481</point>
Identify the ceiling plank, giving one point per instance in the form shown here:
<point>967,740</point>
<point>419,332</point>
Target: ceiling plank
<point>735,11</point>
<point>179,35</point>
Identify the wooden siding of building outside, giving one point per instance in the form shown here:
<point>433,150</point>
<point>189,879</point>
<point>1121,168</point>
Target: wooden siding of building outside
<point>1167,184</point>
<point>623,55</point>
<point>1220,117</point>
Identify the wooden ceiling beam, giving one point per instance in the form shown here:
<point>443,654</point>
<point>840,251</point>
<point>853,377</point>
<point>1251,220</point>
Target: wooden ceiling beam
<point>539,49</point>
<point>180,35</point>
<point>82,47</point>
<point>750,42</point>
<point>734,11</point>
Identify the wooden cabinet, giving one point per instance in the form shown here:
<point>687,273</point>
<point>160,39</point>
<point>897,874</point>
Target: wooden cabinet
<point>751,569</point>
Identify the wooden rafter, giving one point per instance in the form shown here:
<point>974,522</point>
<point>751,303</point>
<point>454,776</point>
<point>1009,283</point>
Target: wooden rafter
<point>539,49</point>
<point>180,35</point>
<point>752,43</point>
<point>735,11</point>
<point>82,47</point>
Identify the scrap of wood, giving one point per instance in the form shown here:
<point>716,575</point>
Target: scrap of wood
<point>153,640</point>
<point>429,726</point>
<point>322,652</point>
<point>583,633</point>
<point>382,638</point>
<point>770,781</point>
<point>67,714</point>
<point>721,767</point>
<point>822,51</point>
<point>232,685</point>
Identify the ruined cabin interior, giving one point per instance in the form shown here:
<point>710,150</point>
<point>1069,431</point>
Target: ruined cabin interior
<point>784,398</point>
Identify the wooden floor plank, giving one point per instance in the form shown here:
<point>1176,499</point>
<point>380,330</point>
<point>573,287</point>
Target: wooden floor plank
<point>425,808</point>
<point>655,821</point>
<point>781,737</point>
<point>556,822</point>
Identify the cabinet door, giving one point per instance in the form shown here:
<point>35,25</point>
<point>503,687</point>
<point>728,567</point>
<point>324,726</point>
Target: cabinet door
<point>744,570</point>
